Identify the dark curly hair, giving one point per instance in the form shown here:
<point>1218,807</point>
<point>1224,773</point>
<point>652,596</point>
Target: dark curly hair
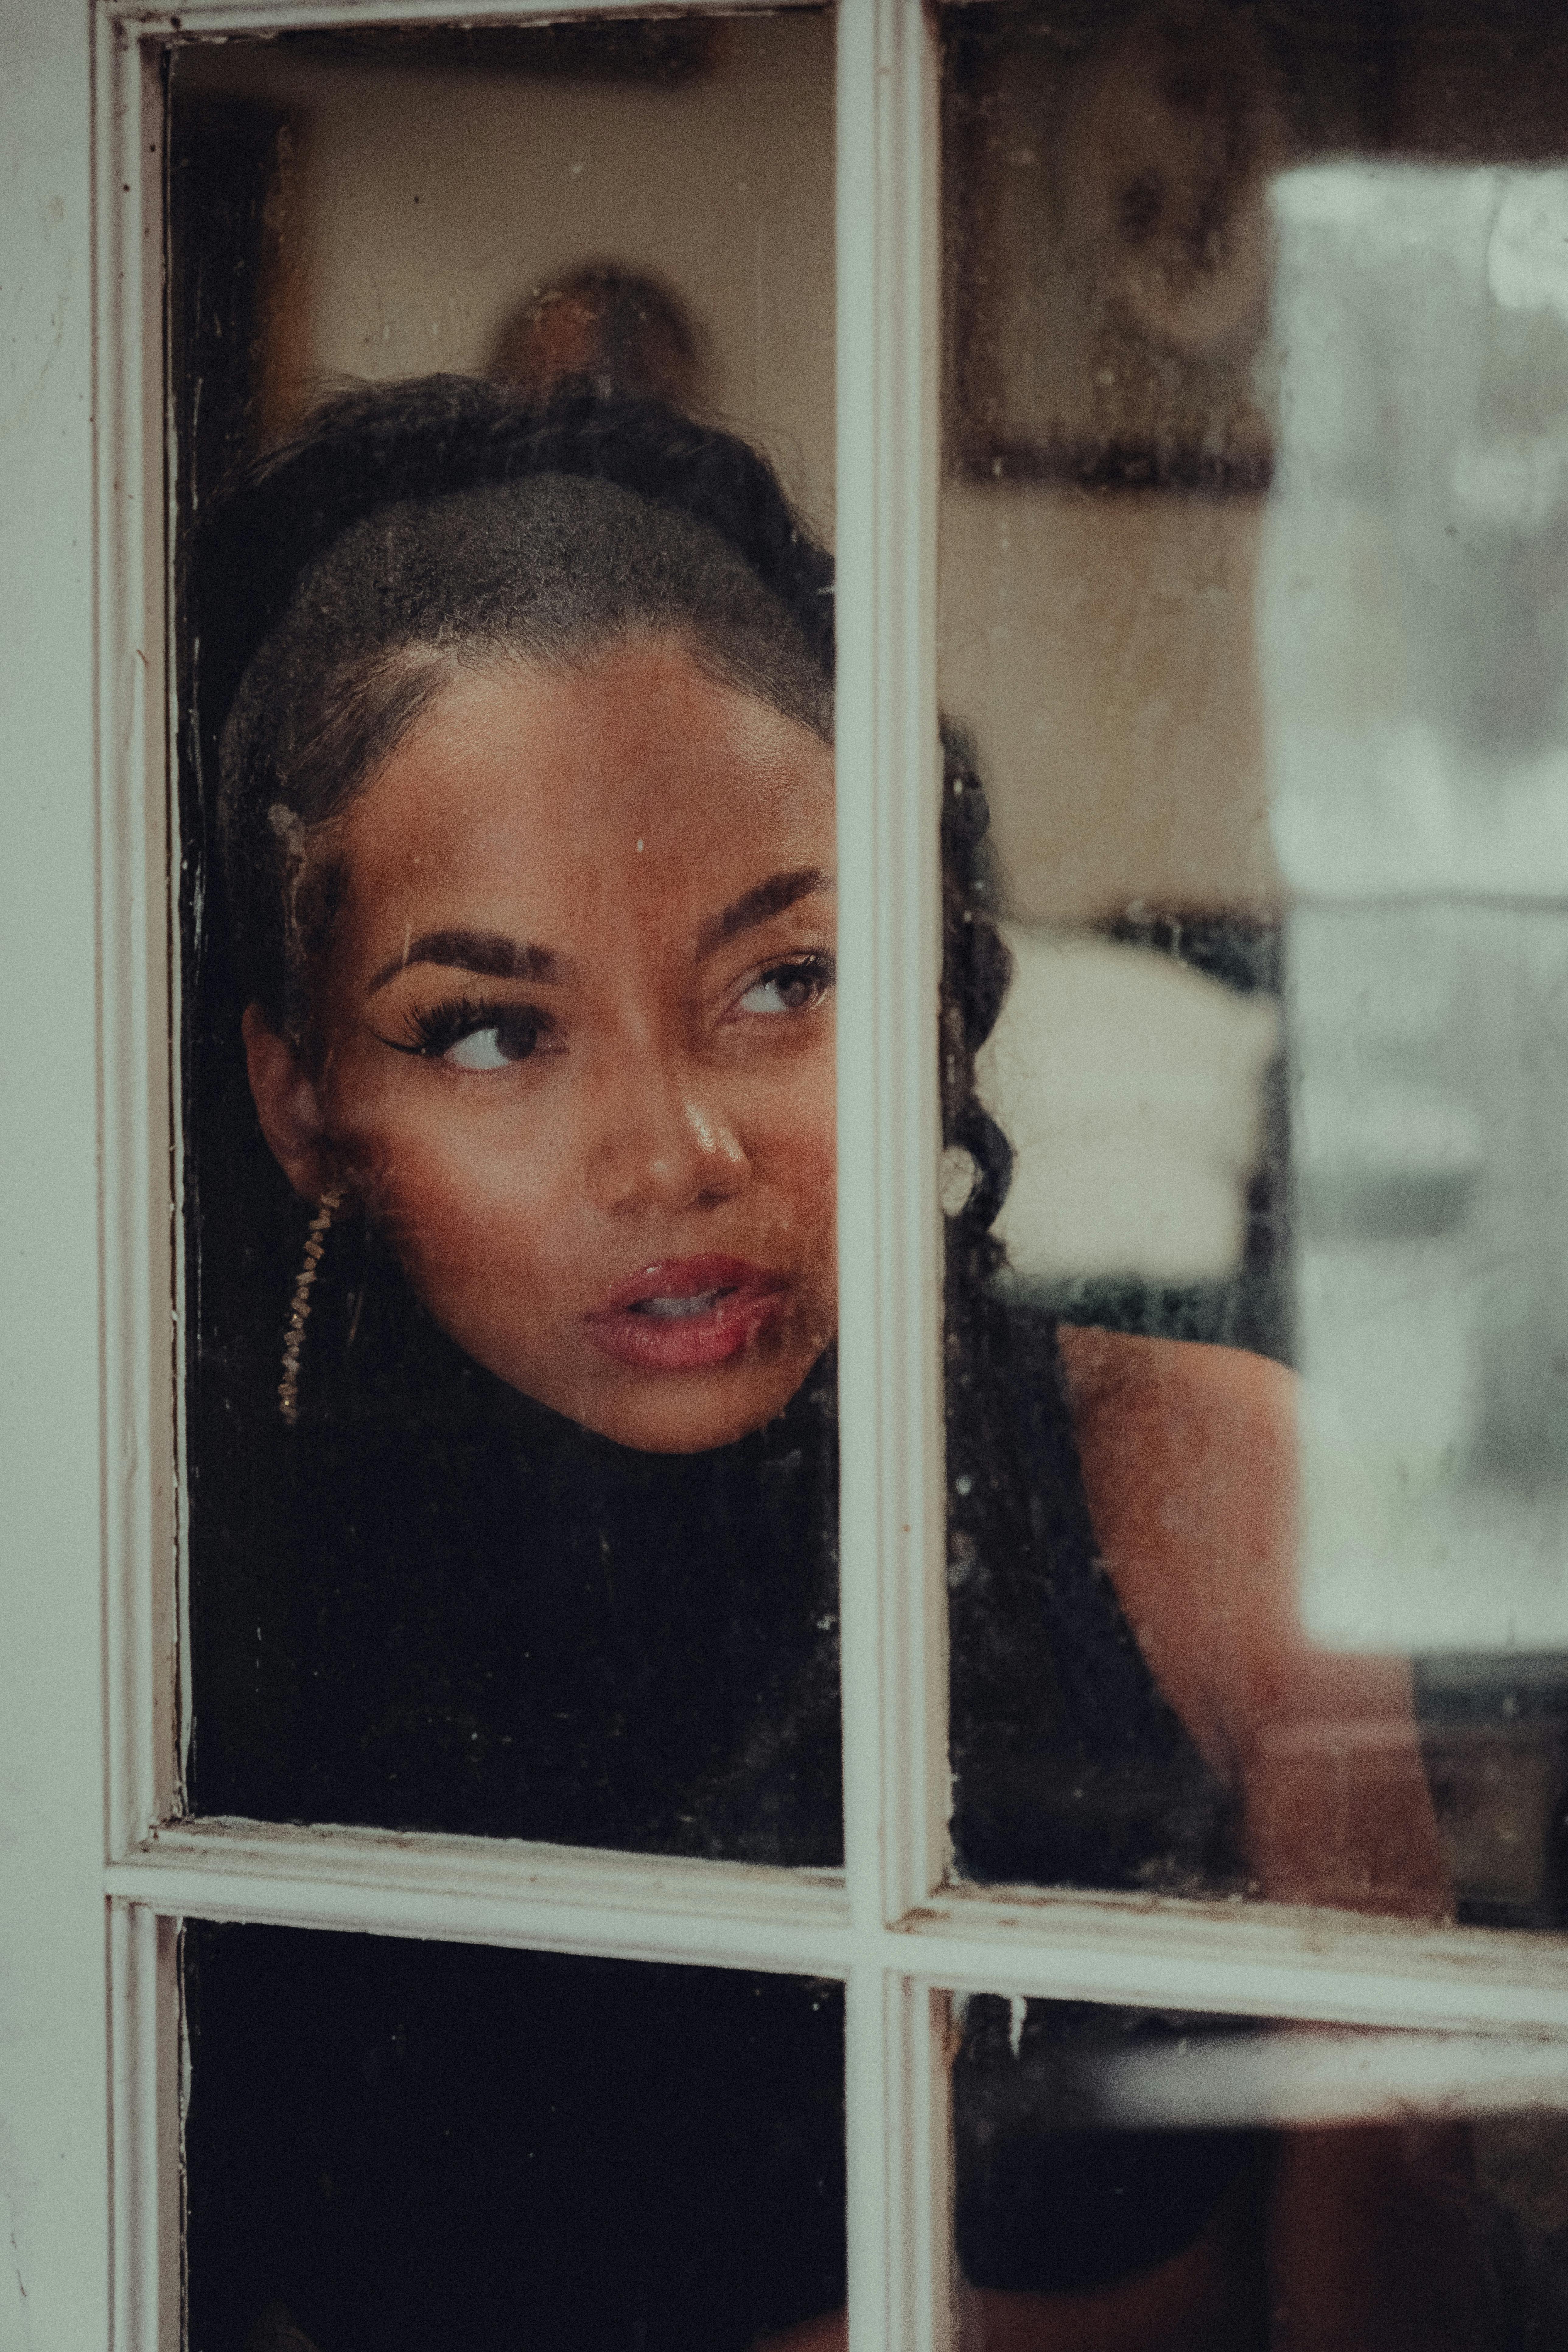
<point>344,574</point>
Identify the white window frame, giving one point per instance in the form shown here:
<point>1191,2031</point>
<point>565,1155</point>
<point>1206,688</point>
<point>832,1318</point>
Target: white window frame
<point>98,1874</point>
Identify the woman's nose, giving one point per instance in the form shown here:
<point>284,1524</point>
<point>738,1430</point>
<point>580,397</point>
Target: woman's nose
<point>663,1142</point>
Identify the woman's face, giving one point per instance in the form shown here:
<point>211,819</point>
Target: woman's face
<point>576,1038</point>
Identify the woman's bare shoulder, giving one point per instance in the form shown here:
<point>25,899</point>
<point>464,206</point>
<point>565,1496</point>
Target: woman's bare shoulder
<point>1182,1388</point>
<point>1189,1465</point>
<point>1188,1447</point>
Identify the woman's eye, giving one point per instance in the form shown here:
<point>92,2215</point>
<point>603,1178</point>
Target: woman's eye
<point>512,1037</point>
<point>789,987</point>
<point>466,1035</point>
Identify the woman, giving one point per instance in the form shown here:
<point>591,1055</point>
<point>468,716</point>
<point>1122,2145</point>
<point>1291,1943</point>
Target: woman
<point>523,723</point>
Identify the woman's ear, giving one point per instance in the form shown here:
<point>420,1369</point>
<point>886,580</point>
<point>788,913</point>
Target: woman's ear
<point>287,1104</point>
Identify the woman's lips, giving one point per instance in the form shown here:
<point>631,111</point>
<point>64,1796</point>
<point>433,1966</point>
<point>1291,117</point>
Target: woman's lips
<point>686,1312</point>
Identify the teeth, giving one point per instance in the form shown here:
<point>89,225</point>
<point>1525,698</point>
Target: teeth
<point>674,1311</point>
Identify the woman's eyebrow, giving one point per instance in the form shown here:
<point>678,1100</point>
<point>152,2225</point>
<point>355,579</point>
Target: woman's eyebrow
<point>758,903</point>
<point>490,953</point>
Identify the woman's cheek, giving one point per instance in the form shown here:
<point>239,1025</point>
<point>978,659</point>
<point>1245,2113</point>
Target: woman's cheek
<point>470,1206</point>
<point>792,1117</point>
<point>801,1154</point>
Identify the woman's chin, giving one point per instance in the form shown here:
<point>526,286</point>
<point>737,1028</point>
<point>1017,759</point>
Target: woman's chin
<point>694,1413</point>
<point>681,1412</point>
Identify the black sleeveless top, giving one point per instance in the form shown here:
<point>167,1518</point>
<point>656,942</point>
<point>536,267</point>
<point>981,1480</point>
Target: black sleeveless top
<point>489,1620</point>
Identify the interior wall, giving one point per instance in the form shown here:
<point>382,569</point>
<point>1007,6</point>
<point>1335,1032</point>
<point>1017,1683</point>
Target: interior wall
<point>426,203</point>
<point>1099,646</point>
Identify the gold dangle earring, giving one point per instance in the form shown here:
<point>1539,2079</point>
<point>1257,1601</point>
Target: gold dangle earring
<point>294,1339</point>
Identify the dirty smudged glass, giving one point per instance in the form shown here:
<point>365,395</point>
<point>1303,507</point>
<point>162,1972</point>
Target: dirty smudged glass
<point>1254,608</point>
<point>401,2143</point>
<point>1160,2178</point>
<point>434,1601</point>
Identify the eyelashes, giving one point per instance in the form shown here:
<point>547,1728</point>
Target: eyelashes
<point>795,984</point>
<point>495,1034</point>
<point>478,1034</point>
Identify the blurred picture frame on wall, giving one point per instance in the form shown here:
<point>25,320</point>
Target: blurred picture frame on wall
<point>1108,247</point>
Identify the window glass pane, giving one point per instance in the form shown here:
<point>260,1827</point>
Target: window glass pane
<point>397,2145</point>
<point>507,795</point>
<point>1157,2180</point>
<point>1254,576</point>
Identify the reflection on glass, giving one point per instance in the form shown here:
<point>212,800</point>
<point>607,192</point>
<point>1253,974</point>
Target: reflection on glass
<point>508,801</point>
<point>1152,2179</point>
<point>1253,605</point>
<point>399,2145</point>
<point>1426,766</point>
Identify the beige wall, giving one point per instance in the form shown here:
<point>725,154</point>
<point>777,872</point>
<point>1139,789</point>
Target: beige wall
<point>1099,647</point>
<point>429,203</point>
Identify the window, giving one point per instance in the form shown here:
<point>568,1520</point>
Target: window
<point>105,1865</point>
